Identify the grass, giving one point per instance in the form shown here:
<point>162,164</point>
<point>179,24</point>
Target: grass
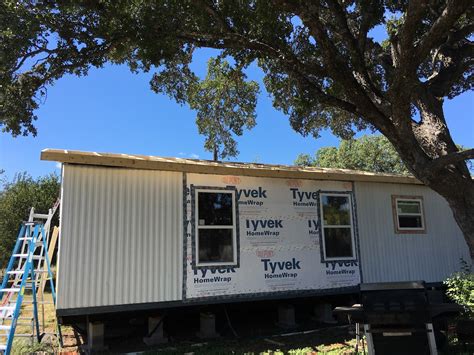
<point>456,348</point>
<point>22,346</point>
<point>324,341</point>
<point>295,345</point>
<point>49,343</point>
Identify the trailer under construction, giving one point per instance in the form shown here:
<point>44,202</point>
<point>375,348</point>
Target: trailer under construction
<point>143,232</point>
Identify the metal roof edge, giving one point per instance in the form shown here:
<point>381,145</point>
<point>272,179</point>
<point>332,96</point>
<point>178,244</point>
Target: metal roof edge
<point>219,168</point>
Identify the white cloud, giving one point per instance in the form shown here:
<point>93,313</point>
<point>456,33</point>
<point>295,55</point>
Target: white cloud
<point>58,165</point>
<point>188,155</point>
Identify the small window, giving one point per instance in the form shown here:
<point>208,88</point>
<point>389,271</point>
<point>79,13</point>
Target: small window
<point>215,228</point>
<point>337,226</point>
<point>408,214</point>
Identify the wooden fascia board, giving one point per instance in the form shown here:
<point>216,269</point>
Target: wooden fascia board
<point>143,162</point>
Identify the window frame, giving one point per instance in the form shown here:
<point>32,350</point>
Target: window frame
<point>233,227</point>
<point>396,220</point>
<point>351,226</point>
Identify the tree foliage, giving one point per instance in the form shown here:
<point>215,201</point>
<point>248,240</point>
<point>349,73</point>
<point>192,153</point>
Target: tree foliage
<point>225,102</point>
<point>368,153</point>
<point>320,63</point>
<point>16,199</point>
<point>460,288</point>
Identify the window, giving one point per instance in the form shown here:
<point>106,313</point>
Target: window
<point>337,227</point>
<point>215,228</point>
<point>408,214</point>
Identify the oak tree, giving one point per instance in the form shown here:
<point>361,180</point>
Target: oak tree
<point>225,102</point>
<point>367,153</point>
<point>16,199</point>
<point>321,64</point>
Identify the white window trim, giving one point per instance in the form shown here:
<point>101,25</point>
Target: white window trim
<point>351,226</point>
<point>421,214</point>
<point>233,227</point>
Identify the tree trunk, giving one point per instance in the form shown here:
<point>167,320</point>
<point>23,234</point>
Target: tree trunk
<point>452,181</point>
<point>463,210</point>
<point>459,193</point>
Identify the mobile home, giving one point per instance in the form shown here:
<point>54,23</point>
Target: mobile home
<point>144,232</point>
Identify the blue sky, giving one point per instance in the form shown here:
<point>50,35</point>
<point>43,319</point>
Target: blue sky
<point>113,110</point>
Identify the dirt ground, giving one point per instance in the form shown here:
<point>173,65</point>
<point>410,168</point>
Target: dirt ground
<point>249,332</point>
<point>253,331</point>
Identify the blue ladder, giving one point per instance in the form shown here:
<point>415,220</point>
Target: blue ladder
<point>20,273</point>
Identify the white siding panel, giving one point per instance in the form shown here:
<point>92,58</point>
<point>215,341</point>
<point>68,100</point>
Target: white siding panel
<point>121,237</point>
<point>387,256</point>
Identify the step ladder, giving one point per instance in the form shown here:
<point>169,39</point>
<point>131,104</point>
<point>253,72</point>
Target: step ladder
<point>27,272</point>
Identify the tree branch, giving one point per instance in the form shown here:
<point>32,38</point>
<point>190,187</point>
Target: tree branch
<point>357,55</point>
<point>295,67</point>
<point>367,102</point>
<point>367,13</point>
<point>440,29</point>
<point>31,55</point>
<point>414,14</point>
<point>452,158</point>
<point>458,35</point>
<point>460,61</point>
<point>215,14</point>
<point>237,41</point>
